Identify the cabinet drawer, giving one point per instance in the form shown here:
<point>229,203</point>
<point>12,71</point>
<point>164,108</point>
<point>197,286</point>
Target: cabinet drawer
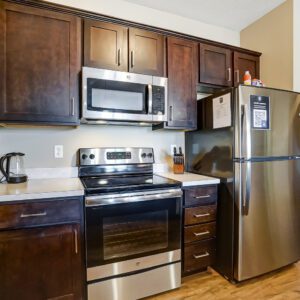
<point>199,232</point>
<point>200,214</point>
<point>200,196</point>
<point>40,213</point>
<point>199,255</point>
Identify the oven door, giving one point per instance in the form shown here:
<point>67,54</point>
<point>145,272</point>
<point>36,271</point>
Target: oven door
<point>116,96</point>
<point>121,229</point>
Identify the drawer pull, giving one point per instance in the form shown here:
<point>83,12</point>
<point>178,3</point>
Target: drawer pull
<point>201,255</point>
<point>201,197</point>
<point>201,233</point>
<point>42,214</point>
<point>202,215</point>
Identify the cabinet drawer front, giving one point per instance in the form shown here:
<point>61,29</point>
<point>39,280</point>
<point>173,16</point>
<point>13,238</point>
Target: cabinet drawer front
<point>199,255</point>
<point>40,213</point>
<point>200,196</point>
<point>200,214</point>
<point>199,232</point>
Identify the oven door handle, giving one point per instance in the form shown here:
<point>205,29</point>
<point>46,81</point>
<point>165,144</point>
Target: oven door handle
<point>91,201</point>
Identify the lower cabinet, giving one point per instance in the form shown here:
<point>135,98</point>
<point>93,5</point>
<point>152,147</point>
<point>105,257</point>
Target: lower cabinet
<point>41,262</point>
<point>199,228</point>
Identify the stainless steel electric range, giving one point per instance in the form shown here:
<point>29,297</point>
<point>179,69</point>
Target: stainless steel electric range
<point>133,222</point>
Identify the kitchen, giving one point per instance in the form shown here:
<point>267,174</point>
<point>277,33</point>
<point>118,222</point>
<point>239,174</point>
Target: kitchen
<point>47,95</point>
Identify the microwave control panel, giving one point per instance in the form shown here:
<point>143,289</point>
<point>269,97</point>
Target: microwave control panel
<point>158,100</point>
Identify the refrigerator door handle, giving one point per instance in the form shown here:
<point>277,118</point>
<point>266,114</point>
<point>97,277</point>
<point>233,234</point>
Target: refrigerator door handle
<point>246,131</point>
<point>246,192</point>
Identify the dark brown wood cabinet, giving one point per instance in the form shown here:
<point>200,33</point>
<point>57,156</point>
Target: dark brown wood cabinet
<point>147,52</point>
<point>182,80</point>
<point>243,62</point>
<point>105,45</point>
<point>199,228</point>
<point>215,65</point>
<point>116,47</point>
<point>39,65</point>
<point>42,260</point>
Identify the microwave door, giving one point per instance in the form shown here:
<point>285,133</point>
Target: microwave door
<point>115,97</point>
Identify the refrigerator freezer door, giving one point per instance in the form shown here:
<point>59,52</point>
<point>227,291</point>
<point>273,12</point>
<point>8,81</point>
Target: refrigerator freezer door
<point>282,138</point>
<point>267,235</point>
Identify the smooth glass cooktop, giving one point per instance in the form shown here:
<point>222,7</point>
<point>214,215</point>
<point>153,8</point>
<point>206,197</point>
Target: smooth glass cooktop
<point>126,182</point>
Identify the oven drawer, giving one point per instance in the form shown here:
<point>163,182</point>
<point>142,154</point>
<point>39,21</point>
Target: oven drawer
<point>200,232</point>
<point>199,255</point>
<point>200,196</point>
<point>201,214</point>
<point>40,213</point>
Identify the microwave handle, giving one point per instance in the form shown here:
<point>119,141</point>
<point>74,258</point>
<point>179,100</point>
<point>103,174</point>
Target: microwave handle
<point>150,100</point>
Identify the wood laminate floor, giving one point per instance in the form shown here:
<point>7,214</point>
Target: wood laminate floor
<point>279,285</point>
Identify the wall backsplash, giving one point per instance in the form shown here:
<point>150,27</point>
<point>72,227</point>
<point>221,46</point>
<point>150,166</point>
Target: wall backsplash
<point>38,142</point>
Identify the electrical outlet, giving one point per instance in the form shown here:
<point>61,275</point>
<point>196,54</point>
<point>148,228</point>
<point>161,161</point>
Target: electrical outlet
<point>172,149</point>
<point>59,151</point>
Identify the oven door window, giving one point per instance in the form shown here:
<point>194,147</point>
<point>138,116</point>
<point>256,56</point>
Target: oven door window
<point>124,231</point>
<point>135,234</point>
<point>116,96</point>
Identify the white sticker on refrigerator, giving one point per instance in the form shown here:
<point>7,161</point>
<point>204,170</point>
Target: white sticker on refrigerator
<point>222,111</point>
<point>260,112</point>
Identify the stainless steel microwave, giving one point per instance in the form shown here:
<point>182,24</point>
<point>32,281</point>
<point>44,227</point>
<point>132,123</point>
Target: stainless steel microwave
<point>121,97</point>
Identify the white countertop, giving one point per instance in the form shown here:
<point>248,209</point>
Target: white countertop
<point>190,179</point>
<point>41,189</point>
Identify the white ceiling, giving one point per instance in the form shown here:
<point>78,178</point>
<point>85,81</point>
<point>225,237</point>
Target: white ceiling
<point>231,14</point>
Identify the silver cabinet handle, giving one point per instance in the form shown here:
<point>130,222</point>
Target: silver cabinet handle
<point>76,240</point>
<point>132,59</point>
<point>201,233</point>
<point>171,113</point>
<point>150,98</point>
<point>229,74</point>
<point>119,57</point>
<point>33,215</point>
<point>237,74</point>
<point>202,215</point>
<point>201,197</point>
<point>201,255</point>
<point>73,106</point>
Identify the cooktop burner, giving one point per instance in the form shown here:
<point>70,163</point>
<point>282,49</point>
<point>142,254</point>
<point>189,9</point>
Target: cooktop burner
<point>122,183</point>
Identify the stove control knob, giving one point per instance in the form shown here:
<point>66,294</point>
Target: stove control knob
<point>144,155</point>
<point>150,155</point>
<point>92,156</point>
<point>84,156</point>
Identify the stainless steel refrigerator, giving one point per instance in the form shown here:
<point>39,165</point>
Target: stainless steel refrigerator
<point>249,137</point>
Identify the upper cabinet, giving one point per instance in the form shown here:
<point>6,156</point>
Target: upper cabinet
<point>147,51</point>
<point>223,67</point>
<point>244,62</point>
<point>215,65</point>
<point>39,65</point>
<point>182,80</point>
<point>105,45</point>
<point>115,47</point>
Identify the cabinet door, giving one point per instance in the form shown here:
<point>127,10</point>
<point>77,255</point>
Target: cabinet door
<point>39,65</point>
<point>146,50</point>
<point>244,62</point>
<point>215,65</point>
<point>182,77</point>
<point>41,263</point>
<point>105,45</point>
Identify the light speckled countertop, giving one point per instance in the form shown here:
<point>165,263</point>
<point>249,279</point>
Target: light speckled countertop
<point>190,179</point>
<point>41,189</point>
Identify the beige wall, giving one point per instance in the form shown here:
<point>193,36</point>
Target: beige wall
<point>38,142</point>
<point>137,13</point>
<point>273,36</point>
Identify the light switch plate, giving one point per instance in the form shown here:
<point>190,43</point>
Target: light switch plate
<point>59,151</point>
